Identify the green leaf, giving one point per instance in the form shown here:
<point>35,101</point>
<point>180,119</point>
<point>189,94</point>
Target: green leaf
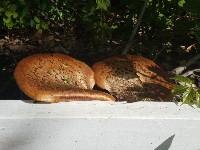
<point>114,27</point>
<point>14,14</point>
<point>8,22</point>
<point>188,96</point>
<point>179,89</point>
<point>8,13</point>
<point>37,26</point>
<point>103,4</point>
<point>160,15</point>
<point>180,78</point>
<point>44,25</point>
<point>36,19</point>
<point>181,3</point>
<point>197,96</point>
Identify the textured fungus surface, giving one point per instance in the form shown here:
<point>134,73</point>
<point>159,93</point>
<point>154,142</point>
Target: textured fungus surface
<point>132,78</point>
<point>51,77</point>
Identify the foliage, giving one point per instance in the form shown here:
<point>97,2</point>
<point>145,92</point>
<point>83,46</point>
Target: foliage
<point>36,14</point>
<point>106,20</point>
<point>103,4</point>
<point>189,93</point>
<point>193,7</point>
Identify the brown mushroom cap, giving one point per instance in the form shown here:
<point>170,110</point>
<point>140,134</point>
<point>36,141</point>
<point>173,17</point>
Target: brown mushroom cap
<point>55,77</point>
<point>132,78</point>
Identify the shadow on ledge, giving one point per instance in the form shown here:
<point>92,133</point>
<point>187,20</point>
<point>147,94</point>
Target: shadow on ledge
<point>166,144</point>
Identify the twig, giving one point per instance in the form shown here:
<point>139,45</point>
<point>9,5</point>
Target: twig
<point>188,73</point>
<point>130,42</point>
<point>179,70</point>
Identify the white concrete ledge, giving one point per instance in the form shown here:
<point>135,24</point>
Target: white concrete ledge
<point>96,109</point>
<point>98,125</point>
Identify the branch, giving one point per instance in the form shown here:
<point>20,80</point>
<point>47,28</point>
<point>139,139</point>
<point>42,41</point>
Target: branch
<point>130,42</point>
<point>179,70</point>
<point>188,73</point>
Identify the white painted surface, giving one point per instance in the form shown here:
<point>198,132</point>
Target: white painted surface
<point>98,125</point>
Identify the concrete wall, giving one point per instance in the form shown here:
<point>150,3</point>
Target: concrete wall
<point>98,126</point>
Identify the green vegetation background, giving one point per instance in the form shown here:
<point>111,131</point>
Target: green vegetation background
<point>169,27</point>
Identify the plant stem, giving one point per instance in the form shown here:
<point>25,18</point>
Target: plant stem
<point>130,42</point>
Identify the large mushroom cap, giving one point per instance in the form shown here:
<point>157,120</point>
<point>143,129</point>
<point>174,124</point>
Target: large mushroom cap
<point>41,74</point>
<point>132,78</point>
